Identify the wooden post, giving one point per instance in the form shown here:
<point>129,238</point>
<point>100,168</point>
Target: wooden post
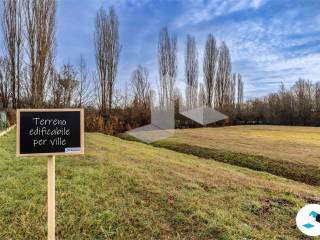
<point>51,198</point>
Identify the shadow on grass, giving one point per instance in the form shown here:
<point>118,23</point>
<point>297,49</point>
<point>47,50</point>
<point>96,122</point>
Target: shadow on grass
<point>295,171</point>
<point>299,172</point>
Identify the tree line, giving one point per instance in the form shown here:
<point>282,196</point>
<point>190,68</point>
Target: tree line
<point>29,76</point>
<point>298,105</point>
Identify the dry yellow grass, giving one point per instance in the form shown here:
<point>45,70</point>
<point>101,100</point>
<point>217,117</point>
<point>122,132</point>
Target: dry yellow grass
<point>296,144</point>
<point>129,190</point>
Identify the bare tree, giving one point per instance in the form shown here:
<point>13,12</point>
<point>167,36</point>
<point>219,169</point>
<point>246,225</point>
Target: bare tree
<point>232,90</point>
<point>107,49</point>
<point>274,107</point>
<point>287,104</point>
<point>56,90</point>
<point>202,99</point>
<point>141,86</point>
<point>40,35</point>
<point>126,97</point>
<point>317,96</point>
<point>25,88</point>
<point>239,91</point>
<point>84,87</point>
<point>4,83</point>
<point>191,72</point>
<point>97,98</point>
<point>303,93</point>
<point>209,68</point>
<point>113,53</point>
<point>64,86</point>
<point>68,84</point>
<point>101,43</point>
<point>12,34</point>
<point>167,60</point>
<point>222,86</point>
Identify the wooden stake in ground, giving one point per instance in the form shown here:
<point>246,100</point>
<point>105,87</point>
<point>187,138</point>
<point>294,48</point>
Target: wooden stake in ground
<point>29,144</point>
<point>51,198</point>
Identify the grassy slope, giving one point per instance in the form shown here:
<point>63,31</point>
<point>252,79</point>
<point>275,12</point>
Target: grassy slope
<point>292,152</point>
<point>128,190</point>
<point>277,142</point>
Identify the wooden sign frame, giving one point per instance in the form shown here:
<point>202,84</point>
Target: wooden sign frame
<point>51,162</point>
<point>18,154</point>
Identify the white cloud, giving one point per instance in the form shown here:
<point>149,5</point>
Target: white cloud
<point>260,47</point>
<point>257,3</point>
<point>125,3</point>
<point>199,11</point>
<point>264,54</point>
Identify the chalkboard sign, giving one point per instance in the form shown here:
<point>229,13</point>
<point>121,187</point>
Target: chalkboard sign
<point>49,132</point>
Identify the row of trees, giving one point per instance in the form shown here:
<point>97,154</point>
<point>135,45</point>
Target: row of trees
<point>220,88</point>
<point>28,29</point>
<point>29,77</point>
<point>107,51</point>
<point>298,105</point>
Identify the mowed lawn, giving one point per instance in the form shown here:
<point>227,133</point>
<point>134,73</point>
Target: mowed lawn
<point>292,152</point>
<point>128,190</point>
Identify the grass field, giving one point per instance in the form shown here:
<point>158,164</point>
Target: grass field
<point>296,144</point>
<point>292,152</point>
<point>128,190</point>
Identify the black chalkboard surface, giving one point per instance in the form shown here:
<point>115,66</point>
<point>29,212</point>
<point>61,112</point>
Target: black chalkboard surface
<point>49,132</point>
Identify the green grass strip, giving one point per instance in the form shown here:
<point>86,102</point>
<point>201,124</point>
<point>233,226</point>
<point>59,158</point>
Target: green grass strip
<point>295,171</point>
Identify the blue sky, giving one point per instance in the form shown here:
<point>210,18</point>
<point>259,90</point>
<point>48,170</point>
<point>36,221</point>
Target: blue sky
<point>271,41</point>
